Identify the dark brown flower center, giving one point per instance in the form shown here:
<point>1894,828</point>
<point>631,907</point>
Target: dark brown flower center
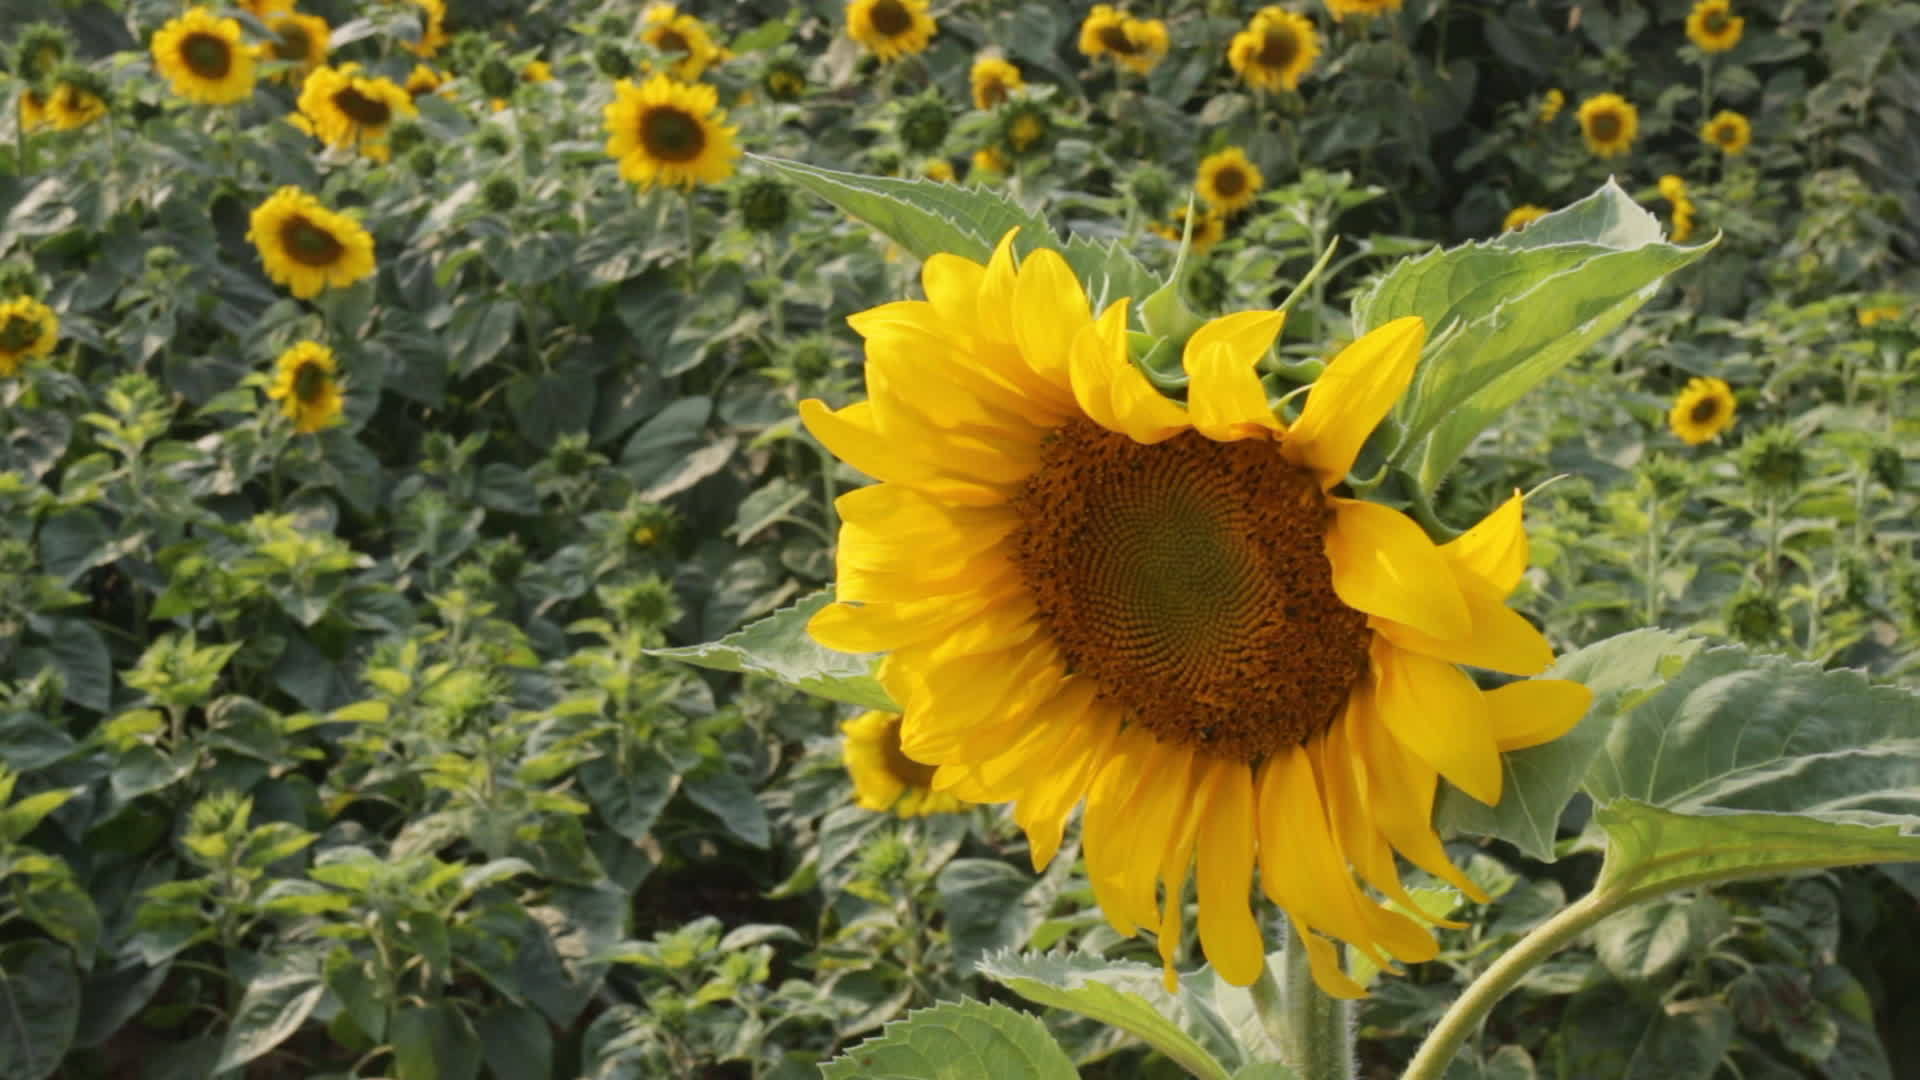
<point>1606,126</point>
<point>291,41</point>
<point>1715,22</point>
<point>1189,580</point>
<point>361,109</point>
<point>1229,182</point>
<point>993,91</point>
<point>891,17</point>
<point>904,769</point>
<point>1278,48</point>
<point>670,134</point>
<point>1115,37</point>
<point>207,55</point>
<point>1705,410</point>
<point>19,333</point>
<point>310,382</point>
<point>309,244</point>
<point>672,41</point>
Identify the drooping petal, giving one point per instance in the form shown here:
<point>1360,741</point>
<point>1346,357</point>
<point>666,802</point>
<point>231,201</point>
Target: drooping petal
<point>1383,564</point>
<point>1110,829</point>
<point>1343,779</point>
<point>1495,548</point>
<point>1435,711</point>
<point>1301,865</point>
<point>1224,395</point>
<point>1352,396</point>
<point>1399,789</point>
<point>1529,713</point>
<point>1050,308</point>
<point>1502,638</point>
<point>1224,875</point>
<point>1112,392</point>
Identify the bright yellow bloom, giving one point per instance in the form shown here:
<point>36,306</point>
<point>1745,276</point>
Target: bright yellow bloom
<point>28,328</point>
<point>685,36</point>
<point>884,777</point>
<point>300,40</point>
<point>1135,44</point>
<point>667,132</point>
<point>1521,216</point>
<point>264,9</point>
<point>992,79</point>
<point>939,170</point>
<point>1729,131</point>
<point>1674,190</point>
<point>424,80</point>
<point>1227,181</point>
<point>1609,123</point>
<point>305,386</point>
<point>73,106</point>
<point>1880,313</point>
<point>1550,105</point>
<point>1340,9</point>
<point>340,107</point>
<point>433,29</point>
<point>306,246</point>
<point>33,110</point>
<point>1275,49</point>
<point>1090,593</point>
<point>1702,411</point>
<point>891,29</point>
<point>1209,229</point>
<point>989,159</point>
<point>536,71</point>
<point>203,58</point>
<point>1713,26</point>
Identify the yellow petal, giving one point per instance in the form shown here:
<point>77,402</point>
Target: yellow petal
<point>1502,638</point>
<point>969,708</point>
<point>1352,396</point>
<point>1301,866</point>
<point>945,355</point>
<point>1224,395</point>
<point>952,285</point>
<point>1246,334</point>
<point>1109,802</point>
<point>1343,778</point>
<point>1399,791</point>
<point>1224,875</point>
<point>1496,548</point>
<point>1324,961</point>
<point>852,436</point>
<point>1112,392</point>
<point>878,627</point>
<point>1043,812</point>
<point>995,304</point>
<point>1435,711</point>
<point>1529,713</point>
<point>1050,308</point>
<point>1383,564</point>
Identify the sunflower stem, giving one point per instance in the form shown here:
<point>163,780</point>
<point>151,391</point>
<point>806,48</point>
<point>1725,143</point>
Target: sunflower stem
<point>1313,1032</point>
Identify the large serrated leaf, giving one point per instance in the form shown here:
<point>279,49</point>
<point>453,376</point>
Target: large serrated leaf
<point>778,647</point>
<point>1089,986</point>
<point>958,1041</point>
<point>275,1004</point>
<point>1507,313</point>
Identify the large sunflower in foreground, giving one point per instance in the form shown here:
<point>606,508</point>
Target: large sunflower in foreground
<point>1090,593</point>
<point>306,246</point>
<point>1704,409</point>
<point>667,132</point>
<point>202,56</point>
<point>341,107</point>
<point>28,328</point>
<point>306,386</point>
<point>1228,181</point>
<point>1275,49</point>
<point>1609,123</point>
<point>885,778</point>
<point>891,29</point>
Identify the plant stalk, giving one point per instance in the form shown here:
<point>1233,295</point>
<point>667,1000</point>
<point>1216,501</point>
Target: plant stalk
<point>1313,1032</point>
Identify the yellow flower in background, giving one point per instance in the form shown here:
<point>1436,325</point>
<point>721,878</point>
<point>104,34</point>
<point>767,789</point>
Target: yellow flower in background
<point>1674,190</point>
<point>433,28</point>
<point>1208,229</point>
<point>1135,44</point>
<point>666,29</point>
<point>28,329</point>
<point>1609,123</point>
<point>667,132</point>
<point>306,246</point>
<point>1275,49</point>
<point>992,78</point>
<point>264,9</point>
<point>989,159</point>
<point>1729,131</point>
<point>33,110</point>
<point>304,384</point>
<point>1702,411</point>
<point>342,108</point>
<point>1521,216</point>
<point>891,29</point>
<point>939,170</point>
<point>300,40</point>
<point>884,777</point>
<point>424,80</point>
<point>202,57</point>
<point>536,71</point>
<point>1550,105</point>
<point>1090,593</point>
<point>1713,26</point>
<point>1227,181</point>
<point>1340,9</point>
<point>74,106</point>
<point>1879,314</point>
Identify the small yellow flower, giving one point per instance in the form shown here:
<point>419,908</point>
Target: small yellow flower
<point>1364,8</point>
<point>536,71</point>
<point>1135,44</point>
<point>305,386</point>
<point>891,29</point>
<point>1713,26</point>
<point>667,132</point>
<point>74,106</point>
<point>1880,313</point>
<point>433,30</point>
<point>685,36</point>
<point>884,777</point>
<point>203,58</point>
<point>264,9</point>
<point>992,79</point>
<point>28,329</point>
<point>989,159</point>
<point>1609,123</point>
<point>1550,105</point>
<point>306,246</point>
<point>1702,411</point>
<point>300,40</point>
<point>342,108</point>
<point>1275,49</point>
<point>939,170</point>
<point>1208,229</point>
<point>1521,216</point>
<point>1674,190</point>
<point>424,80</point>
<point>1227,181</point>
<point>1729,131</point>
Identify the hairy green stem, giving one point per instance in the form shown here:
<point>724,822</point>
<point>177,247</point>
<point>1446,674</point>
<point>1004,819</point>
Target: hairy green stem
<point>1313,1032</point>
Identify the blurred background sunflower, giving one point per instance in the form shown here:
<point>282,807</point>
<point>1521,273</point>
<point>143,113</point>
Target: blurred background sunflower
<point>891,29</point>
<point>668,132</point>
<point>1275,50</point>
<point>304,384</point>
<point>306,246</point>
<point>201,54</point>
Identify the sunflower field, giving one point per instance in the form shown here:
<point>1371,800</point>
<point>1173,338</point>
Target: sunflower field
<point>959,539</point>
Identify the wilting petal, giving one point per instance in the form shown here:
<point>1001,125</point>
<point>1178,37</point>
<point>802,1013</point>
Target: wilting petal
<point>1383,564</point>
<point>1352,396</point>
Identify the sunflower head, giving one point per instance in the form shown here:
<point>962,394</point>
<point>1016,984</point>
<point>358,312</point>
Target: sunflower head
<point>785,79</point>
<point>1550,105</point>
<point>681,39</point>
<point>989,161</point>
<point>1704,409</point>
<point>764,204</point>
<point>1340,9</point>
<point>1227,181</point>
<point>1728,130</point>
<point>306,246</point>
<point>305,384</point>
<point>345,109</point>
<point>300,41</point>
<point>433,28</point>
<point>500,193</point>
<point>423,80</point>
<point>1209,228</point>
<point>924,123</point>
<point>1135,44</point>
<point>1275,50</point>
<point>939,170</point>
<point>1713,26</point>
<point>1609,123</point>
<point>1521,216</point>
<point>40,48</point>
<point>611,59</point>
<point>1754,617</point>
<point>1024,127</point>
<point>891,29</point>
<point>1775,461</point>
<point>885,779</point>
<point>79,97</point>
<point>1150,187</point>
<point>1878,313</point>
<point>203,57</point>
<point>668,132</point>
<point>28,329</point>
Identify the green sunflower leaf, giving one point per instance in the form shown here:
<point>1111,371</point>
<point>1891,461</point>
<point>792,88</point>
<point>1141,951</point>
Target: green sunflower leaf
<point>778,647</point>
<point>1503,314</point>
<point>1127,996</point>
<point>957,1041</point>
<point>926,217</point>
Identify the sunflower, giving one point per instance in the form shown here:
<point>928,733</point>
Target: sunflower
<point>939,170</point>
<point>1609,123</point>
<point>536,71</point>
<point>1275,49</point>
<point>1135,44</point>
<point>1522,216</point>
<point>1227,181</point>
<point>992,79</point>
<point>305,386</point>
<point>433,28</point>
<point>1550,105</point>
<point>1879,313</point>
<point>1091,593</point>
<point>670,32</point>
<point>76,103</point>
<point>340,107</point>
<point>667,132</point>
<point>264,9</point>
<point>1713,26</point>
<point>890,29</point>
<point>33,110</point>
<point>424,80</point>
<point>1340,9</point>
<point>1729,131</point>
<point>989,159</point>
<point>1674,190</point>
<point>1209,229</point>
<point>28,328</point>
<point>300,40</point>
<point>203,58</point>
<point>884,777</point>
<point>1025,127</point>
<point>306,246</point>
<point>1702,411</point>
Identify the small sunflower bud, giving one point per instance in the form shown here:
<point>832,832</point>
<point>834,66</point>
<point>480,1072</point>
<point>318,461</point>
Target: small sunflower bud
<point>1754,618</point>
<point>785,80</point>
<point>1774,461</point>
<point>811,357</point>
<point>405,136</point>
<point>421,161</point>
<point>492,140</point>
<point>17,279</point>
<point>1889,468</point>
<point>612,60</point>
<point>648,602</point>
<point>500,192</point>
<point>885,858</point>
<point>40,49</point>
<point>1665,476</point>
<point>1151,188</point>
<point>1025,127</point>
<point>497,79</point>
<point>764,205</point>
<point>503,558</point>
<point>162,260</point>
<point>924,124</point>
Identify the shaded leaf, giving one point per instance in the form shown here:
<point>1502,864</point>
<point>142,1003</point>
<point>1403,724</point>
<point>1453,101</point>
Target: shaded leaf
<point>778,647</point>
